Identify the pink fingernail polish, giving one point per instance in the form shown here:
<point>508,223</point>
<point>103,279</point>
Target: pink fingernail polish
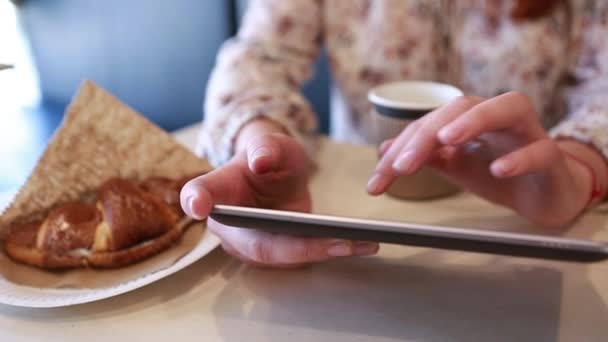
<point>502,167</point>
<point>374,184</point>
<point>451,135</point>
<point>190,203</point>
<point>340,249</point>
<point>383,148</point>
<point>260,153</point>
<point>366,248</point>
<point>404,163</point>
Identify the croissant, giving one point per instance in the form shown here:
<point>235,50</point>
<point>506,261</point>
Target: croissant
<point>126,223</point>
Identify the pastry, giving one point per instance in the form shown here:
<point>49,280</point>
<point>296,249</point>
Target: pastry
<point>126,222</point>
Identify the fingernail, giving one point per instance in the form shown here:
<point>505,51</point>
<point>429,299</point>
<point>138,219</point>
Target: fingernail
<point>366,248</point>
<point>403,164</point>
<point>259,153</point>
<point>339,249</point>
<point>375,183</point>
<point>383,147</point>
<point>451,135</point>
<point>190,204</point>
<point>502,167</point>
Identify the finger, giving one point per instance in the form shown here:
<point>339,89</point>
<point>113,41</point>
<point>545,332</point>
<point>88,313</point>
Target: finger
<point>414,146</point>
<point>274,249</point>
<point>214,226</point>
<point>423,138</point>
<point>537,156</point>
<point>508,111</point>
<point>239,181</point>
<point>384,176</point>
<point>225,185</point>
<point>385,146</point>
<point>422,145</point>
<point>397,145</point>
<point>443,157</point>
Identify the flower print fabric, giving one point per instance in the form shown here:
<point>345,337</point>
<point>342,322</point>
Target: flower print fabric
<point>559,61</point>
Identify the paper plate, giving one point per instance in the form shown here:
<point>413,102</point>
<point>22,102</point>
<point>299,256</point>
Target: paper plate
<point>100,138</point>
<point>26,296</point>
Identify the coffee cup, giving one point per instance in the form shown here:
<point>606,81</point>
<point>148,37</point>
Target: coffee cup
<point>395,106</point>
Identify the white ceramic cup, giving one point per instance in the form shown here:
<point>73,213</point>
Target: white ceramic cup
<point>395,106</point>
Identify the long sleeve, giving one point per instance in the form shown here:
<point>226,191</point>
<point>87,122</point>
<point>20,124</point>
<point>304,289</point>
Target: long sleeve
<point>587,98</point>
<point>259,73</point>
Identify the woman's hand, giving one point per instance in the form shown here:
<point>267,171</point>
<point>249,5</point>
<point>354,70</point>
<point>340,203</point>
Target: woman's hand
<point>269,170</point>
<point>497,149</point>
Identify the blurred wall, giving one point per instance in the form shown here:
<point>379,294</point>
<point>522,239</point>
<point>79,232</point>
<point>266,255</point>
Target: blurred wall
<point>155,55</point>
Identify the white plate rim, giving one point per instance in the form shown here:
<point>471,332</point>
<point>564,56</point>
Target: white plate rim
<point>31,297</point>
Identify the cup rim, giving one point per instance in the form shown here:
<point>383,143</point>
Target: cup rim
<point>375,98</point>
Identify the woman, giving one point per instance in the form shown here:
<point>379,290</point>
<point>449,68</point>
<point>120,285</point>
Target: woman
<point>536,75</point>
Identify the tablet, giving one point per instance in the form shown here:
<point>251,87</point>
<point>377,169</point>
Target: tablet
<point>412,234</point>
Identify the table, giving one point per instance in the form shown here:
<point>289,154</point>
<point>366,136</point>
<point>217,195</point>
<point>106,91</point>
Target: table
<point>404,293</point>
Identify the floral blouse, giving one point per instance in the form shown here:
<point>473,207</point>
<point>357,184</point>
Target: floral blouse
<point>560,61</point>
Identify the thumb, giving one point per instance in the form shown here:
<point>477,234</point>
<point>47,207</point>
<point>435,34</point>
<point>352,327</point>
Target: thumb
<point>232,183</point>
<point>265,153</point>
<point>224,185</point>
